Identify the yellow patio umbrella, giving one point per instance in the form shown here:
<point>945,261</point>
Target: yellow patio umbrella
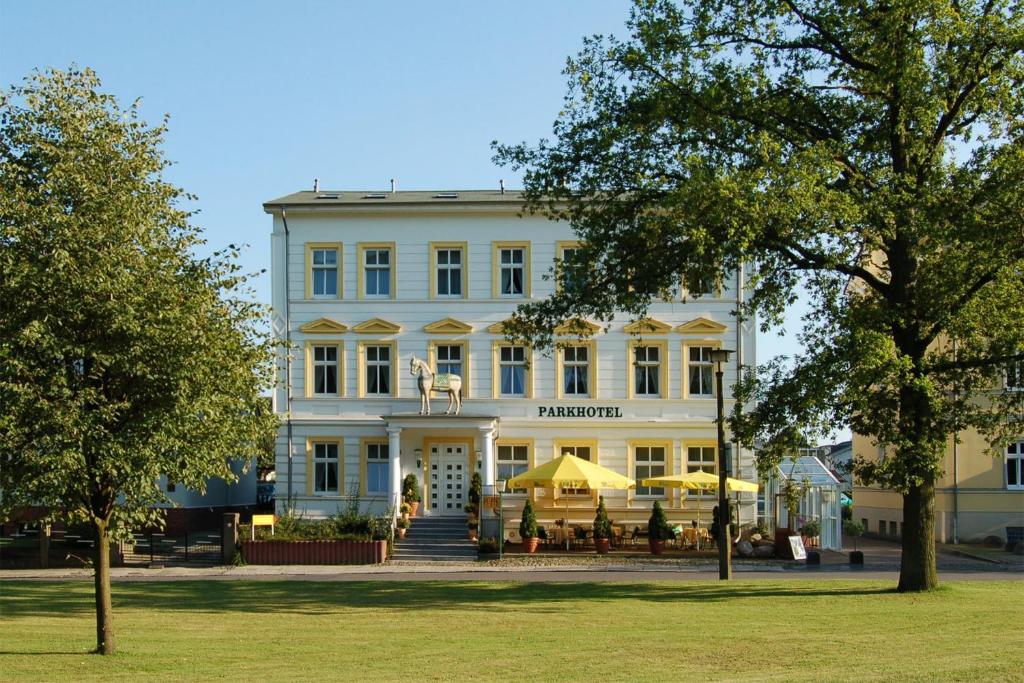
<point>568,471</point>
<point>701,481</point>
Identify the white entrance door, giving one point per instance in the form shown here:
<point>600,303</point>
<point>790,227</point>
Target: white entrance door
<point>449,478</point>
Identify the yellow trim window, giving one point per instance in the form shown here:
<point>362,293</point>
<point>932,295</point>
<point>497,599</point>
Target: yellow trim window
<point>649,364</point>
<point>451,357</point>
<point>702,458</point>
<point>325,469</point>
<point>323,369</point>
<point>566,251</point>
<point>513,458</point>
<point>511,270</point>
<point>377,376</point>
<point>323,270</point>
<point>650,461</point>
<point>448,270</point>
<point>376,270</point>
<point>576,371</point>
<point>513,371</point>
<point>700,372</point>
<point>583,451</point>
<point>376,470</point>
<point>1015,465</point>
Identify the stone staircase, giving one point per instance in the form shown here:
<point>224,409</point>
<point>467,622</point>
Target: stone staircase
<point>435,539</point>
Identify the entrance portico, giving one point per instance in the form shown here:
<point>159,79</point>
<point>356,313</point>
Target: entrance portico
<point>442,451</point>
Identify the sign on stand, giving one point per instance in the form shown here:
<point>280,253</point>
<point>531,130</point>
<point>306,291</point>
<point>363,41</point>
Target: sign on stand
<point>796,548</point>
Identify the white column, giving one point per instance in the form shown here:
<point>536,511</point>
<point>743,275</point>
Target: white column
<point>395,464</point>
<point>487,439</point>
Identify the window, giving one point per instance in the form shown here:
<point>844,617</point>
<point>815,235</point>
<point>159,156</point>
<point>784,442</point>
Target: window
<point>1015,376</point>
<point>648,461</point>
<point>881,527</point>
<point>1015,465</point>
<point>325,468</point>
<point>647,371</point>
<point>702,459</point>
<point>377,456</point>
<point>448,270</point>
<point>576,371</point>
<point>567,252</point>
<point>511,261</point>
<point>513,460</point>
<point>325,370</point>
<point>377,270</point>
<point>323,270</point>
<point>700,372</point>
<point>513,373</point>
<point>892,528</point>
<point>584,453</point>
<point>449,359</point>
<point>377,370</point>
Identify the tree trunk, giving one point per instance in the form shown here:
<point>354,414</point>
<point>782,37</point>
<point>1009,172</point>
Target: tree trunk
<point>917,566</point>
<point>104,612</point>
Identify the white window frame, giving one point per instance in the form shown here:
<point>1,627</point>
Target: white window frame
<point>324,268</point>
<point>1015,459</point>
<point>381,458</point>
<point>375,270</point>
<point>379,367</point>
<point>447,270</point>
<point>443,365</point>
<point>322,458</point>
<point>325,365</point>
<point>505,456</point>
<point>513,364</point>
<point>1013,378</point>
<point>578,370</point>
<point>702,365</point>
<point>511,266</point>
<point>647,366</point>
<point>574,449</point>
<point>702,464</point>
<point>648,464</point>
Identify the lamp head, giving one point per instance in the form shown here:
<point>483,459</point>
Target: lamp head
<point>720,355</point>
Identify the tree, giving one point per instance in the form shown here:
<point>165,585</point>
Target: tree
<point>870,153</point>
<point>123,356</point>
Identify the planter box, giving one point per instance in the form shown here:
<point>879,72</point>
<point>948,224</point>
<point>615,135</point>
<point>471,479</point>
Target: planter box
<point>315,552</point>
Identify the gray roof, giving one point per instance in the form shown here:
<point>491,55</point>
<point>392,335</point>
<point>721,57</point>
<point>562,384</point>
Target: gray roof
<point>510,199</point>
<point>806,467</point>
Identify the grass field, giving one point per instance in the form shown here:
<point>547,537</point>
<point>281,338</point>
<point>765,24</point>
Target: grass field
<point>412,631</point>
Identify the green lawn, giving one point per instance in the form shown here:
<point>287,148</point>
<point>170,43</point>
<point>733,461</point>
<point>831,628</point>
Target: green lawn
<point>411,631</point>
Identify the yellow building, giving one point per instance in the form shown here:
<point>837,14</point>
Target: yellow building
<point>978,495</point>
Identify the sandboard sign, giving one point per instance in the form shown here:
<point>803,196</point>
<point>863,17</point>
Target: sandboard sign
<point>262,520</point>
<point>796,546</point>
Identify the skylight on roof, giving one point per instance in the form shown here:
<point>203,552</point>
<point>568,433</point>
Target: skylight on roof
<point>446,195</point>
<point>327,196</point>
<point>375,195</point>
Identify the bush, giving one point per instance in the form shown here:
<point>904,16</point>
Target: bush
<point>847,512</point>
<point>487,546</point>
<point>342,527</point>
<point>476,488</point>
<point>657,526</point>
<point>470,508</point>
<point>402,523</point>
<point>602,525</point>
<point>528,525</point>
<point>411,489</point>
<point>811,528</point>
<point>472,525</point>
<point>852,528</point>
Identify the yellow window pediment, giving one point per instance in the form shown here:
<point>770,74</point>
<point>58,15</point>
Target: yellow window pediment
<point>323,326</point>
<point>702,326</point>
<point>647,326</point>
<point>377,326</point>
<point>448,326</point>
<point>497,328</point>
<point>578,327</point>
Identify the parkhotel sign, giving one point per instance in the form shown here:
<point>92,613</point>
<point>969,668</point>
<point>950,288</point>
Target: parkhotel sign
<point>579,411</point>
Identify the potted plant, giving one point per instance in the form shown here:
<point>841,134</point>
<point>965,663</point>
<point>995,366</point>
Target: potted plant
<point>405,509</point>
<point>658,530</point>
<point>401,526</point>
<point>471,510</point>
<point>854,529</point>
<point>472,525</point>
<point>476,489</point>
<point>811,530</point>
<point>602,528</point>
<point>528,528</point>
<point>411,493</point>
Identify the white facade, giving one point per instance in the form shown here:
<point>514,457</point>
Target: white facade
<point>420,235</point>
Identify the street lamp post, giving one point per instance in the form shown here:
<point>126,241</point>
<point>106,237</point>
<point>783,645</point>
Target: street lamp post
<point>720,357</point>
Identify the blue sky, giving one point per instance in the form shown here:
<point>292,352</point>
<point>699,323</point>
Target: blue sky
<point>264,97</point>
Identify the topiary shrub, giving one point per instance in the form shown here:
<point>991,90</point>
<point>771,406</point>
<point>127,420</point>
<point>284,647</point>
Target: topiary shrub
<point>602,525</point>
<point>811,528</point>
<point>528,524</point>
<point>657,526</point>
<point>411,489</point>
<point>476,488</point>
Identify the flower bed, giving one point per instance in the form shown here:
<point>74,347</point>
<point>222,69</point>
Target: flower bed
<point>315,552</point>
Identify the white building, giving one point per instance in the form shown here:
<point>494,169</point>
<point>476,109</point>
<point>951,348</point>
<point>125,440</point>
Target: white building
<point>363,281</point>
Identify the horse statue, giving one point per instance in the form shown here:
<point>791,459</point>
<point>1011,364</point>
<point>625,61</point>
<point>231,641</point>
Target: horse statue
<point>428,381</point>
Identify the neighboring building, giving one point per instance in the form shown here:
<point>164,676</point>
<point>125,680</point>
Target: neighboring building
<point>822,500</point>
<point>191,510</point>
<point>364,281</point>
<point>978,495</point>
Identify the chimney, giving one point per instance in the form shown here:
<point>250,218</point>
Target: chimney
<point>392,186</point>
<point>316,184</point>
<point>501,183</point>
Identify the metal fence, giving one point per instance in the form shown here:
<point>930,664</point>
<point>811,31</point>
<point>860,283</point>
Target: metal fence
<point>24,548</point>
<point>194,547</point>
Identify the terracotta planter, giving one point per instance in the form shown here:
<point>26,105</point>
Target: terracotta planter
<point>657,547</point>
<point>414,507</point>
<point>603,545</point>
<point>530,544</point>
<point>401,531</point>
<point>472,534</point>
<point>315,552</point>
